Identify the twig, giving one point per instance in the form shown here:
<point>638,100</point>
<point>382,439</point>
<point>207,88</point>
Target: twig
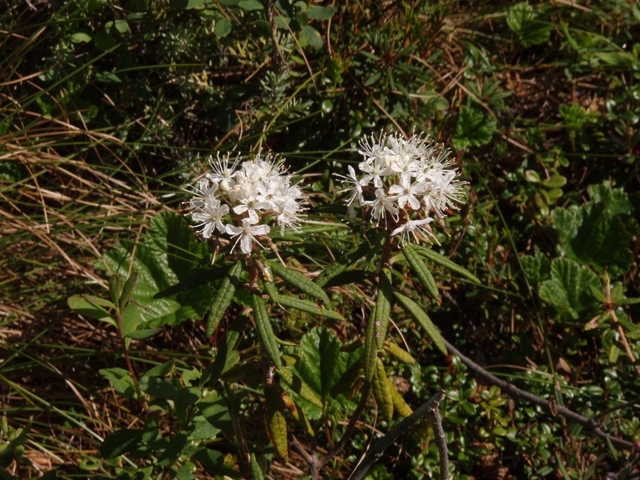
<point>588,423</point>
<point>376,451</point>
<point>441,441</point>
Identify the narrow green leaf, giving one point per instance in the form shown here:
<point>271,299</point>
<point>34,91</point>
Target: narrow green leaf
<point>81,305</point>
<point>226,357</point>
<point>223,298</point>
<point>298,386</point>
<point>393,349</point>
<point>370,346</point>
<point>265,330</point>
<point>399,405</point>
<point>300,282</point>
<point>142,334</point>
<point>421,270</point>
<point>276,422</point>
<point>382,391</point>
<point>423,319</point>
<point>384,302</point>
<point>435,257</point>
<point>115,288</point>
<point>290,301</point>
<point>130,320</point>
<point>129,285</point>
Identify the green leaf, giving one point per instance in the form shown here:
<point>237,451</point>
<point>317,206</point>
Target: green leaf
<point>317,12</point>
<point>265,330</point>
<point>536,268</point>
<point>197,277</point>
<point>299,281</point>
<point>382,391</point>
<point>370,346</point>
<point>423,319</point>
<point>173,450</point>
<point>121,442</point>
<point>163,370</point>
<point>421,270</point>
<point>633,330</point>
<point>104,41</point>
<point>616,59</point>
<point>250,5</point>
<point>142,334</point>
<point>166,254</point>
<point>290,301</point>
<point>313,36</point>
<point>435,257</point>
<point>321,366</point>
<point>573,115</point>
<point>382,311</point>
<point>80,37</point>
<point>592,235</point>
<point>474,129</point>
<point>569,287</point>
<point>80,304</point>
<point>121,381</point>
<point>223,298</point>
<point>522,20</point>
<point>158,388</point>
<point>130,320</point>
<point>186,4</point>
<point>298,386</point>
<point>223,27</point>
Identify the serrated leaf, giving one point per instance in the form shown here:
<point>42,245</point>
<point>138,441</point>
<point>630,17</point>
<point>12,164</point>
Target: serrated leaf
<point>423,319</point>
<point>475,128</point>
<point>166,254</point>
<point>121,381</point>
<point>435,257</point>
<point>321,366</point>
<point>568,288</point>
<point>299,281</point>
<point>523,21</point>
<point>537,267</point>
<point>421,270</point>
<point>290,301</point>
<point>595,237</point>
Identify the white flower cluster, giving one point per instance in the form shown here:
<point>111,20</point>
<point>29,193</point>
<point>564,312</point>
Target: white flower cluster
<point>404,182</point>
<point>238,198</point>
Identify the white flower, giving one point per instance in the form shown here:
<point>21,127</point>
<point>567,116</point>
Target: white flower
<point>246,235</point>
<point>383,204</point>
<point>413,181</point>
<point>406,192</point>
<point>355,186</point>
<point>241,200</point>
<point>413,228</point>
<point>210,216</point>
